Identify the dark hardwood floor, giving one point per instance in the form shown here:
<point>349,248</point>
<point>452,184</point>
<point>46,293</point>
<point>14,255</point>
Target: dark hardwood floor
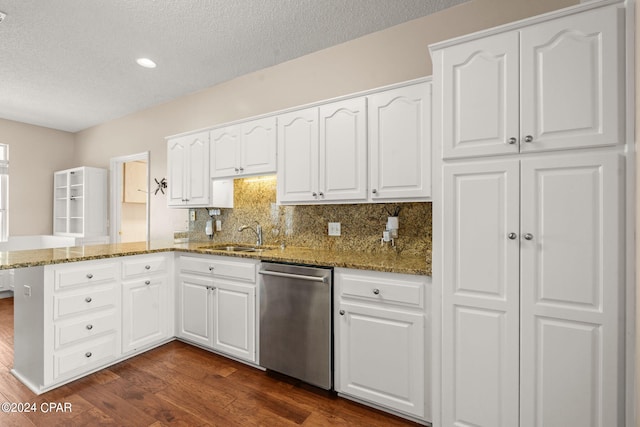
<point>177,384</point>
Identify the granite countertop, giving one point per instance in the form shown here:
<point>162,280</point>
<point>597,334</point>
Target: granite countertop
<point>388,261</point>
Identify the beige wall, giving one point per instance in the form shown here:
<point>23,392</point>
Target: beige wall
<point>35,153</point>
<point>389,56</point>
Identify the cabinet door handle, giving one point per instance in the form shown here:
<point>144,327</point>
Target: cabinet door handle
<point>89,327</point>
<point>376,291</point>
<point>236,169</point>
<point>528,236</point>
<point>88,354</point>
<point>528,138</point>
<point>314,194</point>
<point>341,312</point>
<point>512,140</point>
<point>89,276</point>
<point>147,282</point>
<point>241,169</point>
<point>147,267</point>
<point>211,268</point>
<point>374,191</point>
<point>321,194</point>
<point>88,299</point>
<point>512,236</point>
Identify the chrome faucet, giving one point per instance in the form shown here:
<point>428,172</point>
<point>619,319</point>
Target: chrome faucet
<point>257,231</point>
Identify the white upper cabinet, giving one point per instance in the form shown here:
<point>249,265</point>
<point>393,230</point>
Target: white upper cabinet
<point>188,170</point>
<point>400,143</point>
<point>298,156</point>
<point>245,149</point>
<point>550,86</point>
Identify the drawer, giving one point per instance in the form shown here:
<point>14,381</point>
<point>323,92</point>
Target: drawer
<point>384,289</point>
<point>146,265</point>
<point>80,302</point>
<point>70,277</point>
<point>87,327</point>
<point>216,267</point>
<point>84,357</point>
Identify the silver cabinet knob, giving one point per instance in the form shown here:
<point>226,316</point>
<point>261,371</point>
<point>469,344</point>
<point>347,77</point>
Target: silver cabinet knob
<point>341,312</point>
<point>528,138</point>
<point>512,236</point>
<point>314,194</point>
<point>147,267</point>
<point>211,268</point>
<point>236,169</point>
<point>512,140</point>
<point>241,169</point>
<point>376,291</point>
<point>89,327</point>
<point>88,299</point>
<point>374,191</point>
<point>321,194</point>
<point>147,282</point>
<point>528,236</point>
<point>88,354</point>
<point>89,276</point>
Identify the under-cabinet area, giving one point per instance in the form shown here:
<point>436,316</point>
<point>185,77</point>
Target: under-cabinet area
<point>73,319</point>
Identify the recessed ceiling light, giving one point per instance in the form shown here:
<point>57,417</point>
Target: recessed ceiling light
<point>146,63</point>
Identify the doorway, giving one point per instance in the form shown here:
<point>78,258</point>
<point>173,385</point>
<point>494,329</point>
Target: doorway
<point>130,198</point>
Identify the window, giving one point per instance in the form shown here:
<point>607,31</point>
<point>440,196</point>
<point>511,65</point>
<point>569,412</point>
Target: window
<point>4,192</point>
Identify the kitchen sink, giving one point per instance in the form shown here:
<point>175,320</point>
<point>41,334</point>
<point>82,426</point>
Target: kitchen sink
<point>233,248</point>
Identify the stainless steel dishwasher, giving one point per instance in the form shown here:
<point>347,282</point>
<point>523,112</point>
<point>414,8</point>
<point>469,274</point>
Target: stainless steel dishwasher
<point>295,322</point>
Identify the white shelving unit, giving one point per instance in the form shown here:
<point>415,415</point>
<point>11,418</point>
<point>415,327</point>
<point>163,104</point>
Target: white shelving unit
<point>80,202</point>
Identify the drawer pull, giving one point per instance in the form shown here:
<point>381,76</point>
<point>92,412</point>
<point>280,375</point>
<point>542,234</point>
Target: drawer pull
<point>89,326</point>
<point>147,267</point>
<point>211,268</point>
<point>89,276</point>
<point>341,312</point>
<point>147,282</point>
<point>88,354</point>
<point>88,299</point>
<point>376,291</point>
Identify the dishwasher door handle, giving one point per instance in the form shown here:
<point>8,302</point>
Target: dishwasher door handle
<point>292,276</point>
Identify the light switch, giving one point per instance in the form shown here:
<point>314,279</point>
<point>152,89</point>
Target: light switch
<point>334,229</point>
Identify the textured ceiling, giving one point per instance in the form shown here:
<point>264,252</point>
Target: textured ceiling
<point>70,64</point>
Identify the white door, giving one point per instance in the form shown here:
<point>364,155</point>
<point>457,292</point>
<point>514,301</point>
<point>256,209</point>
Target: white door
<point>144,311</point>
<point>570,78</point>
<point>480,88</point>
<point>225,152</point>
<point>382,356</point>
<point>258,142</point>
<point>234,319</point>
<point>195,321</point>
<point>400,143</point>
<point>480,294</point>
<point>298,156</point>
<point>571,288</point>
<point>343,150</point>
<point>197,170</point>
<point>176,159</point>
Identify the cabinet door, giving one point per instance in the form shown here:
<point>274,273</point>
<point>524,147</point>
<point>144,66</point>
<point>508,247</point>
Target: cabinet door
<point>400,143</point>
<point>258,142</point>
<point>480,294</point>
<point>234,311</point>
<point>571,75</point>
<point>225,152</point>
<point>298,156</point>
<point>480,97</point>
<point>571,288</point>
<point>176,159</point>
<point>382,357</point>
<point>144,310</point>
<point>343,150</point>
<point>195,322</point>
<point>197,170</point>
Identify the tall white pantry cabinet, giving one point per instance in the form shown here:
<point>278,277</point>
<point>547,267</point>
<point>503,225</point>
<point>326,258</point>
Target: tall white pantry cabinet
<point>529,137</point>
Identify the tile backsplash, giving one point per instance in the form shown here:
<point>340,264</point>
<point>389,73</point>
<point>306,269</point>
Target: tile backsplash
<point>306,225</point>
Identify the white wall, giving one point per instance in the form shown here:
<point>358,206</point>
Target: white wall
<point>35,153</point>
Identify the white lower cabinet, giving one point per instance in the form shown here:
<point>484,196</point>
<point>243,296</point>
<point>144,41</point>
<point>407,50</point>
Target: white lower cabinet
<point>217,304</point>
<point>382,340</point>
<point>531,295</point>
<point>146,312</point>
